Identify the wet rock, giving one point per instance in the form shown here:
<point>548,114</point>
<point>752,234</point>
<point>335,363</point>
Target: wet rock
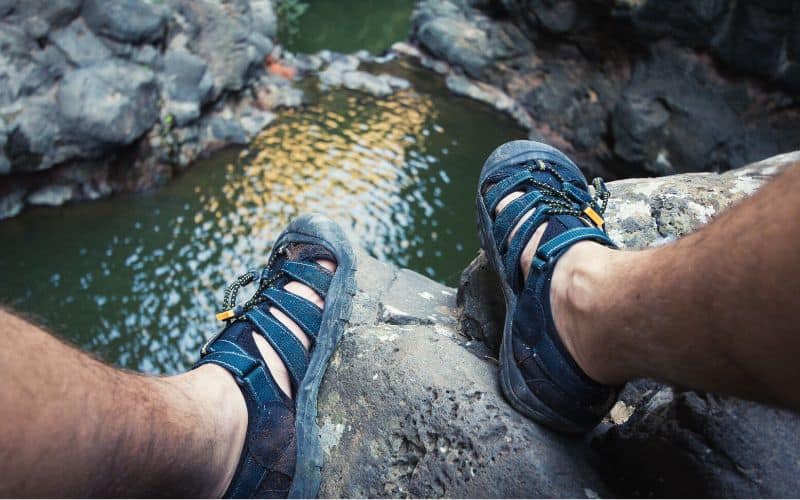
<point>663,441</point>
<point>343,72</point>
<point>130,21</point>
<point>109,104</point>
<point>51,195</point>
<point>457,41</point>
<point>254,120</point>
<point>226,131</point>
<point>12,200</point>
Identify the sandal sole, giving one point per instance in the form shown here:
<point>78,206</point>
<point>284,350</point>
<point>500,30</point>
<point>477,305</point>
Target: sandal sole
<point>320,230</point>
<point>512,380</point>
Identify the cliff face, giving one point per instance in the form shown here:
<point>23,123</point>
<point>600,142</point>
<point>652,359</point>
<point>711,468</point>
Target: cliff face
<point>632,87</point>
<point>410,405</point>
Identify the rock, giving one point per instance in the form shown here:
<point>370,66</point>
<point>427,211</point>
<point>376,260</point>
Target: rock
<point>688,444</point>
<point>12,200</point>
<point>80,45</point>
<point>265,22</point>
<point>47,14</point>
<point>220,34</point>
<point>186,84</point>
<point>691,23</point>
<point>51,195</point>
<point>479,91</point>
<point>35,137</point>
<point>254,121</point>
<point>343,72</point>
<point>456,41</point>
<point>226,131</point>
<point>109,104</point>
<point>627,87</point>
<point>756,35</point>
<point>662,441</point>
<point>82,82</point>
<point>25,68</point>
<point>5,165</point>
<point>129,21</point>
<point>409,408</point>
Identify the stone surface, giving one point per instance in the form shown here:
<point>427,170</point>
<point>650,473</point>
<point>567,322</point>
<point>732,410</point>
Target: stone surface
<point>342,71</point>
<point>132,21</point>
<point>410,408</point>
<point>110,104</point>
<point>80,45</point>
<point>662,441</point>
<point>187,85</point>
<point>627,88</point>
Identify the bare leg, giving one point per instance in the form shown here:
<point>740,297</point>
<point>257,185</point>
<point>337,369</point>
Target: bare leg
<point>718,310</point>
<point>72,426</point>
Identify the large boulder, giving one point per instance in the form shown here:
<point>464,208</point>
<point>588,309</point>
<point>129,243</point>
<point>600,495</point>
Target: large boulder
<point>187,85</point>
<point>411,408</point>
<point>659,440</point>
<point>79,44</point>
<point>109,104</point>
<point>222,34</point>
<point>130,21</point>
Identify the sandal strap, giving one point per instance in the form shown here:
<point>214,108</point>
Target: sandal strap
<point>512,214</point>
<point>547,252</point>
<point>313,276</point>
<point>518,243</point>
<point>504,188</point>
<point>289,348</point>
<point>250,373</point>
<point>303,312</point>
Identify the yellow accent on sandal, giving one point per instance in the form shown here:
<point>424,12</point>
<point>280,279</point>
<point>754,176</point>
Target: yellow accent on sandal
<point>225,315</point>
<point>594,216</point>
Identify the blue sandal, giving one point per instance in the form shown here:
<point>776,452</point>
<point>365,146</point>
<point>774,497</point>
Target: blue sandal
<point>537,373</point>
<point>282,454</point>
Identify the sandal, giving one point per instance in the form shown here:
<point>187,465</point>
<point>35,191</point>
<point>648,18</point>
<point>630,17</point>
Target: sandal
<point>537,373</point>
<point>282,454</point>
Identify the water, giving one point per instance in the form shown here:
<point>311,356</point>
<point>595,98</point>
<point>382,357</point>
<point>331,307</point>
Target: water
<point>351,25</point>
<point>136,279</point>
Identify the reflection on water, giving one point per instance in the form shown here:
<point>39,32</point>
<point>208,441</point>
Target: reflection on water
<point>359,160</point>
<point>137,279</point>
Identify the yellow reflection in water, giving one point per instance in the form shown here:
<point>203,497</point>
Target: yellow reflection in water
<point>347,157</point>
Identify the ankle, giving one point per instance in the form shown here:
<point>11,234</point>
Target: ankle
<point>578,304</point>
<point>222,425</point>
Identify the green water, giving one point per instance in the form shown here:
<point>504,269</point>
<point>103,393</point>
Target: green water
<point>137,278</point>
<point>351,25</point>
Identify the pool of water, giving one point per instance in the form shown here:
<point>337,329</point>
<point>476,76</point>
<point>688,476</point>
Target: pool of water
<point>350,25</point>
<point>138,278</point>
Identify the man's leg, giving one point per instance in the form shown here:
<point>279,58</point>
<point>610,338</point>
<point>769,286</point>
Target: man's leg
<point>73,426</point>
<point>718,310</point>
